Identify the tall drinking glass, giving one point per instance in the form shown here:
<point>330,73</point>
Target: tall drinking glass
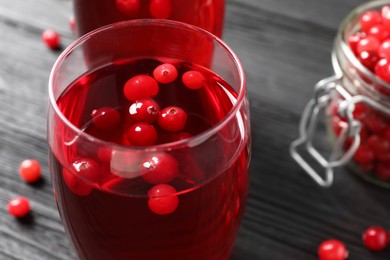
<point>149,149</point>
<point>92,14</point>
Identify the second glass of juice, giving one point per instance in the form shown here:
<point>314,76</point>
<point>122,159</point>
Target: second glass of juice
<point>149,149</point>
<point>92,14</point>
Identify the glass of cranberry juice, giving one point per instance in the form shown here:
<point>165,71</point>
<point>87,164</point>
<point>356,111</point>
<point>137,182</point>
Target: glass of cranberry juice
<point>149,147</point>
<point>92,14</point>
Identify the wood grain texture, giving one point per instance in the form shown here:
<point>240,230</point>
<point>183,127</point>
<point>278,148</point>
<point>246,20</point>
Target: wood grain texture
<point>285,48</point>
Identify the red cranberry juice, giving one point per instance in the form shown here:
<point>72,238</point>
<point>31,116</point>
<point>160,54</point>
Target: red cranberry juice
<point>92,14</point>
<point>111,216</point>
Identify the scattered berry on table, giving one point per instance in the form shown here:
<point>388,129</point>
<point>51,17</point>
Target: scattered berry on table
<point>19,207</point>
<point>30,170</point>
<point>332,250</point>
<point>375,238</point>
<point>51,38</point>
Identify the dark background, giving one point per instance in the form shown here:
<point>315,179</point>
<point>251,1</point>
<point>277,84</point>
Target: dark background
<point>285,47</point>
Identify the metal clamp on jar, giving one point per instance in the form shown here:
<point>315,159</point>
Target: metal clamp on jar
<point>357,105</point>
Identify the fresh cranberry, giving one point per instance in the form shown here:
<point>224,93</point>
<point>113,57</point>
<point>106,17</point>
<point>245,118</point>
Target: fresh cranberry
<point>141,134</point>
<point>378,145</point>
<point>354,39</point>
<point>375,123</point>
<point>382,70</point>
<point>386,16</point>
<point>380,32</point>
<point>140,87</point>
<point>51,38</point>
<point>128,7</point>
<point>361,111</point>
<point>369,44</point>
<point>160,9</point>
<point>145,110</point>
<point>382,171</point>
<point>332,250</point>
<point>105,117</point>
<point>163,199</point>
<point>19,207</point>
<point>375,238</point>
<point>75,184</point>
<point>30,170</point>
<point>368,59</point>
<point>369,19</point>
<point>384,49</point>
<point>172,119</point>
<point>193,79</point>
<point>159,168</point>
<point>87,169</point>
<point>165,73</point>
<point>363,155</point>
<point>385,157</point>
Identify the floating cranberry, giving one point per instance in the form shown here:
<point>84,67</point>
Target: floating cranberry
<point>382,70</point>
<point>19,207</point>
<point>165,73</point>
<point>160,9</point>
<point>51,38</point>
<point>84,172</point>
<point>159,168</point>
<point>163,199</point>
<point>105,117</point>
<point>361,111</point>
<point>141,134</point>
<point>369,19</point>
<point>128,7</point>
<point>354,39</point>
<point>363,155</point>
<point>172,119</point>
<point>332,250</point>
<point>193,79</point>
<point>140,87</point>
<point>375,238</point>
<point>145,110</point>
<point>369,44</point>
<point>30,170</point>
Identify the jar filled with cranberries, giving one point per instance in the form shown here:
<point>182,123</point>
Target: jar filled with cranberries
<point>355,101</point>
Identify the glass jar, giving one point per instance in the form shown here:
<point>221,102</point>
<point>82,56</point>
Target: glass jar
<point>357,110</point>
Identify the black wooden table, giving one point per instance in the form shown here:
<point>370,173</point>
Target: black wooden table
<point>285,46</point>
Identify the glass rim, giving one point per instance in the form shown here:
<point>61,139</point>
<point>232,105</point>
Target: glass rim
<point>189,142</point>
<point>346,49</point>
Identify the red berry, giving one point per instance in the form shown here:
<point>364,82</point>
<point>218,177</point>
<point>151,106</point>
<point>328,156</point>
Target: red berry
<point>87,169</point>
<point>140,87</point>
<point>361,111</point>
<point>193,79</point>
<point>332,250</point>
<point>382,70</point>
<point>369,19</point>
<point>160,9</point>
<point>370,44</point>
<point>172,119</point>
<point>386,16</point>
<point>181,136</point>
<point>382,171</point>
<point>105,117</point>
<point>165,73</point>
<point>375,123</point>
<point>363,155</point>
<point>378,145</point>
<point>384,49</point>
<point>145,110</point>
<point>141,134</point>
<point>380,32</point>
<point>51,38</point>
<point>19,207</point>
<point>375,238</point>
<point>354,39</point>
<point>159,168</point>
<point>163,199</point>
<point>30,170</point>
<point>75,184</point>
<point>368,59</point>
<point>128,7</point>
